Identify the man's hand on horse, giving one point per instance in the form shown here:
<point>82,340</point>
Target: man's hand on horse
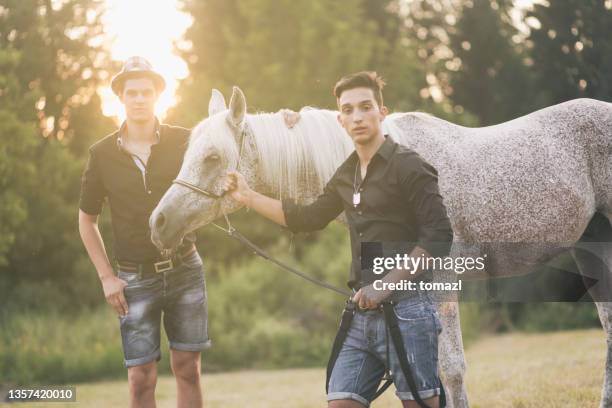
<point>290,117</point>
<point>237,187</point>
<point>369,298</point>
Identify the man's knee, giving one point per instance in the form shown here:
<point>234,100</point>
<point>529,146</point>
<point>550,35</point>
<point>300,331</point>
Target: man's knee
<point>344,404</point>
<point>142,378</point>
<point>186,365</point>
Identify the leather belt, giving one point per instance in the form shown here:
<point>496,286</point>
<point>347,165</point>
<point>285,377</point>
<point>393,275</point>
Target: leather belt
<point>157,267</point>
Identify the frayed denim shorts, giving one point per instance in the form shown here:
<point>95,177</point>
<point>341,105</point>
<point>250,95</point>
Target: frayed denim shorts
<point>179,295</point>
<point>367,353</point>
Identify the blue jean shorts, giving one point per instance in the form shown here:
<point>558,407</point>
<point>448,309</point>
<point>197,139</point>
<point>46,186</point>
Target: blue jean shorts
<point>180,296</point>
<point>367,352</point>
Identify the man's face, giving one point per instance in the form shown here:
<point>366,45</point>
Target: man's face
<point>139,96</point>
<point>360,115</point>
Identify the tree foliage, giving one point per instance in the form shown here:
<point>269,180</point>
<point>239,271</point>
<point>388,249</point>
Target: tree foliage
<point>461,60</point>
<point>51,69</point>
<point>572,49</point>
<point>289,54</point>
<point>491,80</point>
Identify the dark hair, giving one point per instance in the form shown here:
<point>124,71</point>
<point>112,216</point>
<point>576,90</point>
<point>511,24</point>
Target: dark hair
<point>363,79</point>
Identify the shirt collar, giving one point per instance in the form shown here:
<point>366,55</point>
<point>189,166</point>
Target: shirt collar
<point>385,150</point>
<point>122,132</point>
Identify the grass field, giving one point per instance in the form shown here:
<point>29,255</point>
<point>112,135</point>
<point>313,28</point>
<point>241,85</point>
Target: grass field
<point>562,369</point>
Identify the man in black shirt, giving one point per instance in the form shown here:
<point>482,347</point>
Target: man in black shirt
<point>389,195</point>
<point>132,168</point>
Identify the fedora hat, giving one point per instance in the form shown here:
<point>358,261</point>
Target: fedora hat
<point>136,67</point>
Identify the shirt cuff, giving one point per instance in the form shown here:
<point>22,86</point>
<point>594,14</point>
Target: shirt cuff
<point>290,210</point>
<point>91,209</point>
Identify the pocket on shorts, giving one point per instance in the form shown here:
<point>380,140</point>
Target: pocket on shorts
<point>129,277</point>
<point>411,311</point>
<point>137,283</point>
<point>193,261</point>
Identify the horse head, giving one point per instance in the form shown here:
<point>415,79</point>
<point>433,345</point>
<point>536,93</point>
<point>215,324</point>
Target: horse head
<point>217,144</point>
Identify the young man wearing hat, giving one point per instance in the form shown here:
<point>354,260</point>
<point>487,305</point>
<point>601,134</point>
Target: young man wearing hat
<point>132,168</point>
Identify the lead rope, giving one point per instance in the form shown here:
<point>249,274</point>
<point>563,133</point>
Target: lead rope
<point>387,375</point>
<point>232,232</point>
<point>229,230</point>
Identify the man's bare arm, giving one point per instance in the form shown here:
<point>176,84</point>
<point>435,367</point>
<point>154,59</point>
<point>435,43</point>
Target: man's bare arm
<point>111,284</point>
<point>90,235</point>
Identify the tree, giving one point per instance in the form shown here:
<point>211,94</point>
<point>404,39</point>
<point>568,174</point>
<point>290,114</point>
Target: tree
<point>18,140</point>
<point>61,56</point>
<point>487,73</point>
<point>572,49</point>
<point>289,54</point>
<point>50,71</point>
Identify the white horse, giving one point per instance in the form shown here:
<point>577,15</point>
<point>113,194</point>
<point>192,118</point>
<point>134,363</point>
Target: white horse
<point>539,179</point>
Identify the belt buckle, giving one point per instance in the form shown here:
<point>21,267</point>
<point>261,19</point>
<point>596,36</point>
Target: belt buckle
<point>163,266</point>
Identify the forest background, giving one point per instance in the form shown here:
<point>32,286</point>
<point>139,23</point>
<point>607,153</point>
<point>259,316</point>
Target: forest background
<point>475,63</point>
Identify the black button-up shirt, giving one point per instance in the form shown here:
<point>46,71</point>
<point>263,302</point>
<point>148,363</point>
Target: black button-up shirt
<point>111,173</point>
<point>399,202</point>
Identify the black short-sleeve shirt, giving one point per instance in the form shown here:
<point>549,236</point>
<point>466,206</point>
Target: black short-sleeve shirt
<point>112,174</point>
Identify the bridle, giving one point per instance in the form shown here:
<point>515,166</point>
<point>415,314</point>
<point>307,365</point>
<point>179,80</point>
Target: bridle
<point>198,189</point>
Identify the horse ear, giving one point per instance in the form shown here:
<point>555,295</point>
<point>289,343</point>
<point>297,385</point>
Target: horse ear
<point>216,103</point>
<point>237,108</point>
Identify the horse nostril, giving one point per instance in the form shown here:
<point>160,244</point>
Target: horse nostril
<point>160,221</point>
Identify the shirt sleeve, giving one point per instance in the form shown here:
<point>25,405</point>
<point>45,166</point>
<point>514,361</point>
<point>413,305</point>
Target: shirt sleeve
<point>314,216</point>
<point>421,188</point>
<point>93,192</point>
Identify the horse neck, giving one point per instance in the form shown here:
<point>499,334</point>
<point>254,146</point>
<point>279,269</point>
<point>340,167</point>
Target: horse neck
<point>425,134</point>
<point>297,163</point>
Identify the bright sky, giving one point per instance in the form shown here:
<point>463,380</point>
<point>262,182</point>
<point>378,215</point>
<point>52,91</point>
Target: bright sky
<point>148,29</point>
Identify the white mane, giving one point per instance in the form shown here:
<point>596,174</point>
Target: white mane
<point>302,159</point>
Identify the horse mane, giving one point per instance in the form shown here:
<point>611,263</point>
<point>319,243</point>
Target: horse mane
<point>297,161</point>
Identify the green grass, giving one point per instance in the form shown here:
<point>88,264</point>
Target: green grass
<point>34,347</point>
<point>519,370</point>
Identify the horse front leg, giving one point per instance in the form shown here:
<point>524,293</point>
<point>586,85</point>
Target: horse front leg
<point>451,358</point>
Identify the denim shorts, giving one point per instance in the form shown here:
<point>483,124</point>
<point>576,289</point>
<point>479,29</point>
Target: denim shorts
<point>363,358</point>
<point>180,296</point>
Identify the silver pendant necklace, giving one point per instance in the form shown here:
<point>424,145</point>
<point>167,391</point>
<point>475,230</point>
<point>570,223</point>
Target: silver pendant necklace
<point>356,188</point>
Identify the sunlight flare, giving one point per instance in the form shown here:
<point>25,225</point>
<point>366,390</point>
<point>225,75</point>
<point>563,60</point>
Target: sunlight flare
<point>148,29</point>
